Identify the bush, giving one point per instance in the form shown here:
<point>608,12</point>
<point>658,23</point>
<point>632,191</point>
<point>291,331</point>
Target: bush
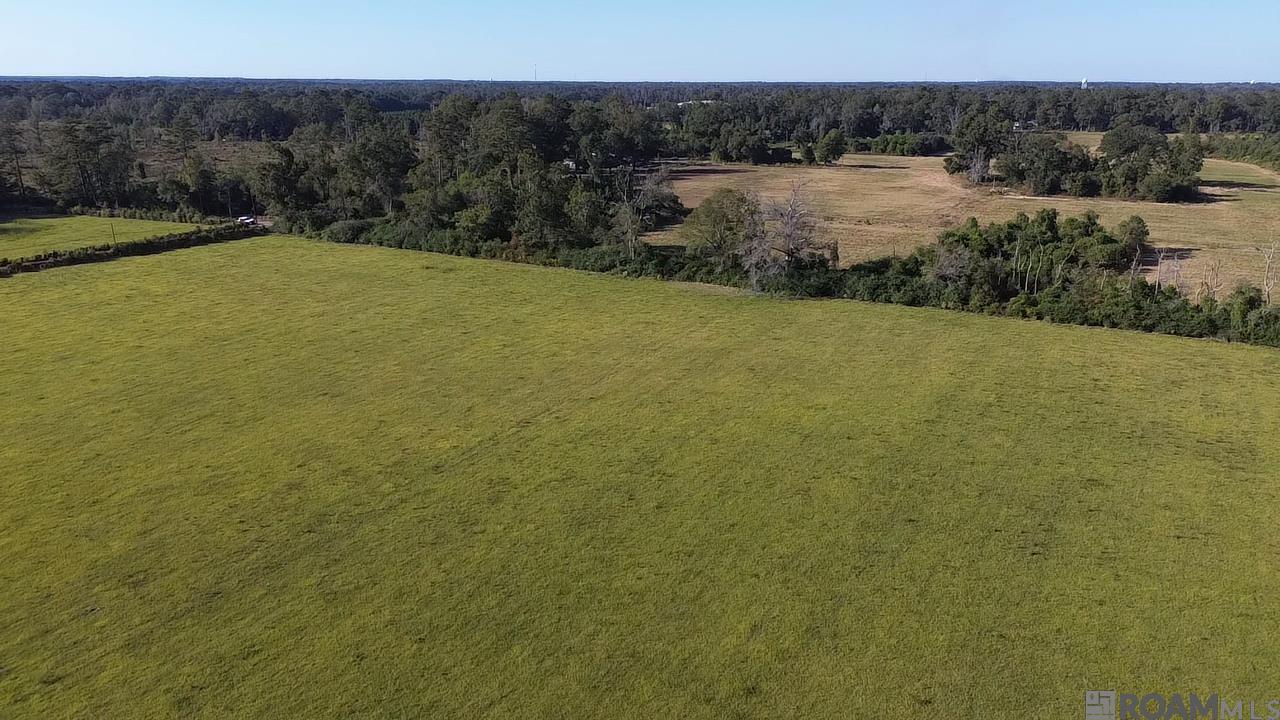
<point>181,215</point>
<point>348,231</point>
<point>904,144</point>
<point>305,222</point>
<point>1082,184</point>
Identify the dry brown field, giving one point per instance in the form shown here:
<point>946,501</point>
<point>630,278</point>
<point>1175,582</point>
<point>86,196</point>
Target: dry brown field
<point>874,205</point>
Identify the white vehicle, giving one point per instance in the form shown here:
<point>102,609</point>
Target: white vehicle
<point>247,220</point>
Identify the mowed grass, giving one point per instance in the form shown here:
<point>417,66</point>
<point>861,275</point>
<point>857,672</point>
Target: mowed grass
<point>27,237</point>
<point>277,478</point>
<point>875,206</point>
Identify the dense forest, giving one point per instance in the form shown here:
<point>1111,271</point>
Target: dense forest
<point>575,174</point>
<point>361,148</point>
<point>273,109</point>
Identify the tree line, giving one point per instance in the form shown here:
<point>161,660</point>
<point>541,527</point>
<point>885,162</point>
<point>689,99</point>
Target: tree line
<point>273,109</point>
<point>82,143</point>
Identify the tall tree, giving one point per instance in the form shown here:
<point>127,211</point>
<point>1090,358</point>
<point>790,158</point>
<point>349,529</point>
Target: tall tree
<point>982,136</point>
<point>88,164</point>
<point>11,153</point>
<point>377,164</point>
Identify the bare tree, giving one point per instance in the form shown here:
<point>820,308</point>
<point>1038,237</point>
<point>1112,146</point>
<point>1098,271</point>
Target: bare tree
<point>1160,253</point>
<point>1175,271</point>
<point>951,262</point>
<point>1210,281</point>
<point>785,233</point>
<point>656,197</point>
<point>628,223</point>
<point>979,166</point>
<point>1134,267</point>
<point>954,116</point>
<point>760,259</point>
<point>1271,273</point>
<point>792,223</point>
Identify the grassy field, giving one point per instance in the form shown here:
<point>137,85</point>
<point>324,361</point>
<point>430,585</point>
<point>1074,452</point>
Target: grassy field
<point>25,237</point>
<point>277,478</point>
<point>878,205</point>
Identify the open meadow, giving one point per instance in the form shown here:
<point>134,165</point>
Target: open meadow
<point>27,237</point>
<point>280,478</point>
<point>875,205</point>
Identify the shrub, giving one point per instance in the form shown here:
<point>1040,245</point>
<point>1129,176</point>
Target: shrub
<point>348,231</point>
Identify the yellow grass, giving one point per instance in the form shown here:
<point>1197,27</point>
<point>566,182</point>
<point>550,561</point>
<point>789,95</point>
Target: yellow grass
<point>879,205</point>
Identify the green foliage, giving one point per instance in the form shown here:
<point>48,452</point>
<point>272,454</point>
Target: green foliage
<point>348,231</point>
<point>1139,162</point>
<point>87,164</point>
<point>1071,271</point>
<point>831,147</point>
<point>1261,150</point>
<point>13,184</point>
<point>904,144</point>
<point>804,140</point>
<point>719,227</point>
<point>375,166</point>
<point>1047,165</point>
<point>979,139</point>
<point>738,143</point>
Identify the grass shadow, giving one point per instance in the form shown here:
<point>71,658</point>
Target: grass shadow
<point>1237,185</point>
<point>873,166</point>
<point>1149,255</point>
<point>1200,197</point>
<point>710,170</point>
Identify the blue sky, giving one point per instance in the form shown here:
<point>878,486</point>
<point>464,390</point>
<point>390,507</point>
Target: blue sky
<point>814,40</point>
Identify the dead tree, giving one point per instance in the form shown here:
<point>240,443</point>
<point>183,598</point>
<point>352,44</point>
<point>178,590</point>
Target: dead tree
<point>1160,253</point>
<point>1210,281</point>
<point>1175,271</point>
<point>629,226</point>
<point>792,224</point>
<point>759,258</point>
<point>1271,273</point>
<point>1017,253</point>
<point>954,116</point>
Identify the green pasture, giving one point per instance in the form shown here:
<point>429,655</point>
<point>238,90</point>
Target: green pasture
<point>278,478</point>
<point>26,237</point>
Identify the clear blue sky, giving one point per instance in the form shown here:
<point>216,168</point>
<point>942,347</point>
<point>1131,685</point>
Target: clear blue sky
<point>1172,40</point>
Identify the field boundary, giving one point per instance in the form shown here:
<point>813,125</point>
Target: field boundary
<point>113,251</point>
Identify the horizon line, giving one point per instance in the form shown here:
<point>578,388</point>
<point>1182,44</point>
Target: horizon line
<point>541,81</point>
